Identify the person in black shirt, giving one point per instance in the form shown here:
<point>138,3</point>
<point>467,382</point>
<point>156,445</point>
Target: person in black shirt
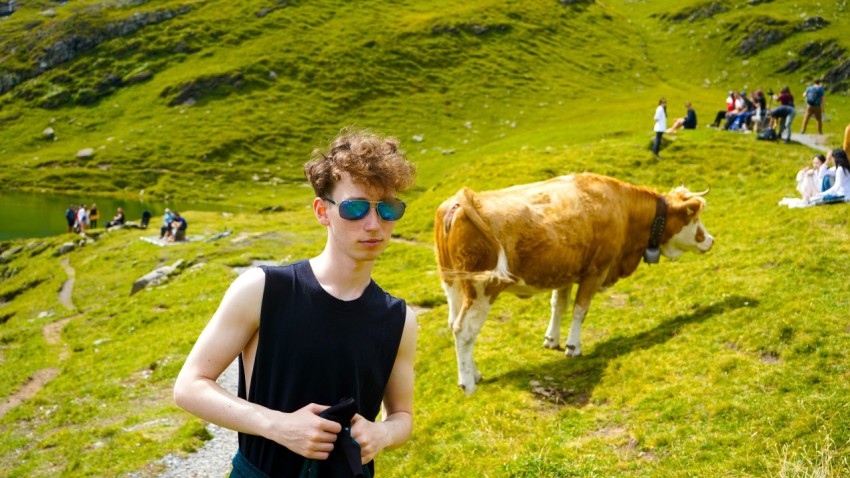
<point>689,121</point>
<point>313,332</point>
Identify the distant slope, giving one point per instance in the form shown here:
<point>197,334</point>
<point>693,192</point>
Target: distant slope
<point>212,99</point>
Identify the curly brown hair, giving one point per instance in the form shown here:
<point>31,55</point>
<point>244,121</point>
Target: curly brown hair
<point>367,158</point>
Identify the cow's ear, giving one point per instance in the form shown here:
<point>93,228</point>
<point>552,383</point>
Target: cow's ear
<point>693,206</point>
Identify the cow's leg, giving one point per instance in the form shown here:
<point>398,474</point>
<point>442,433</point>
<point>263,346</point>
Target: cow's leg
<point>470,319</point>
<point>454,297</point>
<point>586,290</point>
<point>560,301</point>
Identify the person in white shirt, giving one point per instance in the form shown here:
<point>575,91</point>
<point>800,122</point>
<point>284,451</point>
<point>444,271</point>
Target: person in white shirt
<point>82,218</point>
<point>660,125</point>
<point>808,181</point>
<point>841,187</point>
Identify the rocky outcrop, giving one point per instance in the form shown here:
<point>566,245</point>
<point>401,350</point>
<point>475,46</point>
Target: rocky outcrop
<point>7,273</point>
<point>474,28</point>
<point>766,32</point>
<point>812,24</point>
<point>269,209</point>
<point>265,11</point>
<point>157,276</point>
<point>838,77</point>
<point>65,248</point>
<point>762,33</point>
<point>36,247</point>
<point>7,296</point>
<point>76,41</point>
<point>8,254</point>
<point>826,60</point>
<point>192,91</point>
<point>699,12</point>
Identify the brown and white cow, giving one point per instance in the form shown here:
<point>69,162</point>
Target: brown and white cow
<point>580,229</point>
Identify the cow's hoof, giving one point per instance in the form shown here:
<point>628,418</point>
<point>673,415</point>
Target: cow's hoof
<point>550,343</point>
<point>572,351</point>
<point>467,389</point>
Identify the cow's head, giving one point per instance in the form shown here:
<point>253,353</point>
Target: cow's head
<point>684,231</point>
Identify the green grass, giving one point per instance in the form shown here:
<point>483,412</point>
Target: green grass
<point>729,364</point>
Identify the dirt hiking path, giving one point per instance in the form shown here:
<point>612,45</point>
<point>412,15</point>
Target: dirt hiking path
<point>53,337</point>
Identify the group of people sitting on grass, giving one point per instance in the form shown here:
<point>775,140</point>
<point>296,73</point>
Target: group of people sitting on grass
<point>755,112</point>
<point>826,181</point>
<point>173,226</point>
<point>751,113</point>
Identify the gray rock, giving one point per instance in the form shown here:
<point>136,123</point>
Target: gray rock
<point>85,153</point>
<point>157,276</point>
<point>65,248</point>
<point>78,41</point>
<point>7,256</point>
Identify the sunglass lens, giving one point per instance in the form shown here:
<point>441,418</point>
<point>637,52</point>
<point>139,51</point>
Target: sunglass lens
<point>391,210</point>
<point>353,209</point>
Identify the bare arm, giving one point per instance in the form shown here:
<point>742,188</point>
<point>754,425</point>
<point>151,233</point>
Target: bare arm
<point>230,330</point>
<point>397,422</point>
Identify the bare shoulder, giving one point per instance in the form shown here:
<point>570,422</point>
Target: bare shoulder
<point>410,318</point>
<point>243,299</point>
<point>410,330</point>
<point>250,282</point>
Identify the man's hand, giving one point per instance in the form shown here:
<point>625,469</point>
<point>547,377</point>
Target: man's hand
<point>371,436</point>
<point>306,433</point>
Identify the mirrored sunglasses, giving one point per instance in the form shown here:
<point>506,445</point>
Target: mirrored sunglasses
<point>356,209</point>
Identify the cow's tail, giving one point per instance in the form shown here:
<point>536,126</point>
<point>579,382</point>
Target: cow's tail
<point>469,204</point>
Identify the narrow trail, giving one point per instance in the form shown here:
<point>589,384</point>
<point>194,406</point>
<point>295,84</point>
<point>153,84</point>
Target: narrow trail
<point>814,141</point>
<point>66,292</point>
<point>213,459</point>
<point>28,389</point>
<point>53,338</point>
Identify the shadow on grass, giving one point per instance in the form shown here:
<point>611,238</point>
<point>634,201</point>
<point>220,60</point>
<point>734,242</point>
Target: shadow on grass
<point>570,382</point>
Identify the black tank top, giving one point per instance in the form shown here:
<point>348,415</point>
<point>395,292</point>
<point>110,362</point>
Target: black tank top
<point>313,347</point>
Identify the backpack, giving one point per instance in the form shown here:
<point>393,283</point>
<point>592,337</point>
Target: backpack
<point>814,95</point>
<point>768,135</point>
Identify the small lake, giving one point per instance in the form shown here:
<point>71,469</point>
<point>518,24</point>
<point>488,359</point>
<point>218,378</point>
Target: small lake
<point>24,215</point>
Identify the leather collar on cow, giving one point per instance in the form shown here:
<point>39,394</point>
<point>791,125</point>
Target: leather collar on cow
<point>652,253</point>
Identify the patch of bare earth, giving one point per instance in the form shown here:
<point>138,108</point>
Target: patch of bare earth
<point>66,292</point>
<point>28,389</point>
<point>550,391</point>
<point>627,446</point>
<point>770,358</point>
<point>53,337</point>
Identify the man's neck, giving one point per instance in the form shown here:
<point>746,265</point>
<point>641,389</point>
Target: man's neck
<point>343,277</point>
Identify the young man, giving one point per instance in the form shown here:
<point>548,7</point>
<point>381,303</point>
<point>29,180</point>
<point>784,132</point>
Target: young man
<point>814,105</point>
<point>689,121</point>
<point>313,332</point>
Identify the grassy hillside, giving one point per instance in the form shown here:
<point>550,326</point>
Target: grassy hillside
<point>728,364</point>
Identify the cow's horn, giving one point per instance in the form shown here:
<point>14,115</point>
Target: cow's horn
<point>702,193</point>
